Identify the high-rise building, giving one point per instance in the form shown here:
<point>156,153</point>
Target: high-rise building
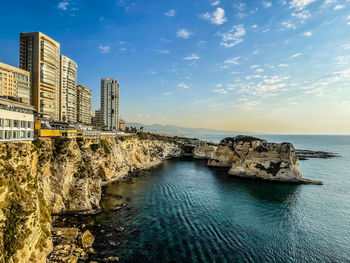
<point>40,55</point>
<point>15,83</point>
<point>68,102</point>
<point>97,119</point>
<point>84,105</point>
<point>110,103</point>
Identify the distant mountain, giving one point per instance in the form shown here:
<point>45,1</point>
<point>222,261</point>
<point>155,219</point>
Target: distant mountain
<point>180,131</point>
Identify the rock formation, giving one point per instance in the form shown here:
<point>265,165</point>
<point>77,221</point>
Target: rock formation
<point>251,157</point>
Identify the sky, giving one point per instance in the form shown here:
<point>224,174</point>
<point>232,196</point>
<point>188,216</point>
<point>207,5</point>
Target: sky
<point>260,66</point>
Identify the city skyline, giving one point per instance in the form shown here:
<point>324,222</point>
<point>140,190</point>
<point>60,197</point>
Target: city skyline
<point>277,67</point>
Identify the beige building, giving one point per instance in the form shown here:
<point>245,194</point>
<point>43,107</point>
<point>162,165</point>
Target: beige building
<point>84,105</point>
<point>40,55</point>
<point>16,121</point>
<point>68,103</point>
<point>15,83</point>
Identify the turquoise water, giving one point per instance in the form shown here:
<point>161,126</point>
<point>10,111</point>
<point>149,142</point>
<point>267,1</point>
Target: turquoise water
<point>186,212</point>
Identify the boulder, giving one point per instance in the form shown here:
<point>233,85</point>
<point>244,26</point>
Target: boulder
<point>68,235</point>
<point>86,239</point>
<point>251,157</point>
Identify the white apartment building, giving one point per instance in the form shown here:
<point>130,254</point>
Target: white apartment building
<point>110,103</point>
<point>68,102</point>
<point>16,121</point>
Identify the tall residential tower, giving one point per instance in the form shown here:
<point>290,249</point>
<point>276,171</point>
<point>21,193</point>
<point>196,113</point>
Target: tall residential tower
<point>68,101</point>
<point>110,103</point>
<point>40,55</point>
<point>84,105</point>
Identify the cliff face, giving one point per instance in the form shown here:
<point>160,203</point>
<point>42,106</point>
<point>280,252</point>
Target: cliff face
<point>65,175</point>
<point>25,220</point>
<point>251,157</point>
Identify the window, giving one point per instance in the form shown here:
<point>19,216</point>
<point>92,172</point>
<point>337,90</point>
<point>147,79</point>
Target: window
<point>16,123</point>
<point>23,134</point>
<point>1,122</point>
<point>30,124</point>
<point>1,135</point>
<point>14,135</point>
<point>7,135</point>
<point>7,123</point>
<point>29,135</point>
<point>23,124</point>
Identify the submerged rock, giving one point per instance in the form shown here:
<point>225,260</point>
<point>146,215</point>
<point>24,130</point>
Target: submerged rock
<point>251,157</point>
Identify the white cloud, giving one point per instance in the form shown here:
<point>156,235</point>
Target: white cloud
<point>338,7</point>
<point>123,49</point>
<point>308,34</point>
<point>259,70</point>
<point>240,6</point>
<point>162,51</point>
<point>283,65</point>
<point>183,85</point>
<point>215,3</point>
<point>301,15</point>
<point>326,2</point>
<point>167,93</point>
<point>220,91</point>
<point>183,33</point>
<point>233,37</point>
<point>267,4</point>
<point>170,13</point>
<point>63,5</point>
<point>192,57</point>
<point>233,61</point>
<point>295,55</point>
<point>254,66</point>
<point>300,4</point>
<point>104,49</point>
<point>288,24</point>
<point>217,17</point>
<point>254,26</point>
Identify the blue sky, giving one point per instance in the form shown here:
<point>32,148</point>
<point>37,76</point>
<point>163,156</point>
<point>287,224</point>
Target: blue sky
<point>264,66</point>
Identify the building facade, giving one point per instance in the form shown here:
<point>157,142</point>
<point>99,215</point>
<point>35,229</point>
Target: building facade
<point>68,102</point>
<point>16,121</point>
<point>83,105</point>
<point>110,103</point>
<point>40,55</point>
<point>15,83</point>
<point>97,119</point>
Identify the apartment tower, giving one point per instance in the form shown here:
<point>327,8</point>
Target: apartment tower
<point>40,55</point>
<point>15,83</point>
<point>84,105</point>
<point>110,103</point>
<point>68,101</point>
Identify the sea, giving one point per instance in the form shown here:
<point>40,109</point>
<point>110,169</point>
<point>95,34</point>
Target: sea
<point>183,211</point>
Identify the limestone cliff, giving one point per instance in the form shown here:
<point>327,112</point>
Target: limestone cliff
<point>65,175</point>
<point>250,157</point>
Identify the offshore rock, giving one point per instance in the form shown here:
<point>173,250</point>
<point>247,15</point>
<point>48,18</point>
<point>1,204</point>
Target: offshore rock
<point>251,157</point>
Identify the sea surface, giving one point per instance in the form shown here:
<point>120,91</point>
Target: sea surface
<point>185,212</point>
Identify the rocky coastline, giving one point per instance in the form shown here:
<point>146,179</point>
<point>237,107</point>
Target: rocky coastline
<point>63,176</point>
